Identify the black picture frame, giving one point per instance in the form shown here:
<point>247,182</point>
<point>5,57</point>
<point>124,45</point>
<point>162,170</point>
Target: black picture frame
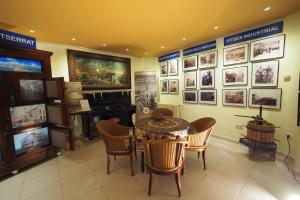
<point>244,90</point>
<point>169,67</point>
<point>266,85</point>
<point>235,46</point>
<point>177,86</point>
<point>195,80</point>
<point>165,65</point>
<point>235,84</point>
<point>190,101</point>
<point>213,79</point>
<point>195,58</point>
<point>276,107</point>
<point>214,102</point>
<point>161,84</point>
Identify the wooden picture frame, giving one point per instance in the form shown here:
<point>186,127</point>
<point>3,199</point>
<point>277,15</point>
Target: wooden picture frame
<point>98,71</point>
<point>164,86</point>
<point>163,69</point>
<point>173,86</point>
<point>207,97</point>
<point>208,59</point>
<point>190,96</point>
<point>268,98</point>
<point>207,78</point>
<point>267,48</point>
<point>190,63</point>
<point>235,76</point>
<point>236,54</point>
<point>235,97</point>
<point>265,74</point>
<point>190,80</point>
<point>173,67</point>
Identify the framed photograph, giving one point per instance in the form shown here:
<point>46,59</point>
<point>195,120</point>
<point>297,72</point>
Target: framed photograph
<point>73,95</point>
<point>235,76</point>
<point>173,67</point>
<point>190,96</point>
<point>189,63</point>
<point>208,97</point>
<point>164,86</point>
<point>99,72</point>
<point>31,90</point>
<point>24,116</point>
<point>235,97</point>
<point>236,54</point>
<point>207,78</point>
<point>207,60</point>
<point>190,80</point>
<point>20,65</point>
<point>268,98</point>
<point>265,74</point>
<point>268,48</point>
<point>163,69</point>
<point>173,86</point>
<point>58,114</point>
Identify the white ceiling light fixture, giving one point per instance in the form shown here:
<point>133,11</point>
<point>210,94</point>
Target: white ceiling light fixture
<point>266,9</point>
<point>73,39</point>
<point>184,39</point>
<point>162,47</point>
<point>216,27</point>
<point>32,31</point>
<point>104,45</point>
<point>127,49</point>
<point>146,53</point>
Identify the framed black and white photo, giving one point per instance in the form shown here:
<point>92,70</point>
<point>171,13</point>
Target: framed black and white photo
<point>207,78</point>
<point>173,67</point>
<point>190,80</point>
<point>268,98</point>
<point>268,48</point>
<point>173,86</point>
<point>207,60</point>
<point>265,74</point>
<point>235,76</point>
<point>235,97</point>
<point>236,55</point>
<point>163,69</point>
<point>190,96</point>
<point>189,63</point>
<point>164,86</point>
<point>208,97</point>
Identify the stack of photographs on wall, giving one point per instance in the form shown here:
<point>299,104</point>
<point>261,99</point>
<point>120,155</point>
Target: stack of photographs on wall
<point>264,77</point>
<point>169,69</point>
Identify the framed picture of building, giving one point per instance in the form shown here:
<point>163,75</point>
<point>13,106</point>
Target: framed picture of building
<point>163,69</point>
<point>268,48</point>
<point>190,96</point>
<point>207,78</point>
<point>173,86</point>
<point>164,86</point>
<point>235,76</point>
<point>235,55</point>
<point>207,60</point>
<point>29,91</point>
<point>208,97</point>
<point>190,80</point>
<point>189,63</point>
<point>97,71</point>
<point>268,98</point>
<point>173,67</point>
<point>235,97</point>
<point>265,74</point>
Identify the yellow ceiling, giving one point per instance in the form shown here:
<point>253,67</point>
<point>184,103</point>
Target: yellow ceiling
<point>139,25</point>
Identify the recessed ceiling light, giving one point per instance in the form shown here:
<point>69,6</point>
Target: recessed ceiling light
<point>127,49</point>
<point>216,27</point>
<point>73,39</point>
<point>267,8</point>
<point>32,31</point>
<point>162,47</point>
<point>184,39</point>
<point>146,53</point>
<point>104,45</point>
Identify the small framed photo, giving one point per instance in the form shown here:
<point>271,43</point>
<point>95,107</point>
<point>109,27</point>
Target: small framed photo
<point>235,76</point>
<point>207,78</point>
<point>208,60</point>
<point>29,91</point>
<point>190,96</point>
<point>208,97</point>
<point>164,86</point>
<point>235,97</point>
<point>268,48</point>
<point>173,86</point>
<point>268,98</point>
<point>163,69</point>
<point>189,63</point>
<point>173,67</point>
<point>236,55</point>
<point>265,74</point>
<point>190,80</point>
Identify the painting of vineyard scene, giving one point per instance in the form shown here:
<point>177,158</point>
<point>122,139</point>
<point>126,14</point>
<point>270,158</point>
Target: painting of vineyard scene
<point>96,71</point>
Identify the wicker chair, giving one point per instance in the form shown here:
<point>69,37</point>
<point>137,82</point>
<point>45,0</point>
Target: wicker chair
<point>164,157</point>
<point>117,140</point>
<point>163,111</point>
<point>198,136</point>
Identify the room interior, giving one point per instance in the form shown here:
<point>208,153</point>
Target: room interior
<point>149,100</point>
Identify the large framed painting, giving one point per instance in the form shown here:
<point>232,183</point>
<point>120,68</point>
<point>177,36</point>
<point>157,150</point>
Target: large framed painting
<point>236,54</point>
<point>268,48</point>
<point>265,74</point>
<point>235,97</point>
<point>207,60</point>
<point>97,71</point>
<point>207,78</point>
<point>235,76</point>
<point>268,98</point>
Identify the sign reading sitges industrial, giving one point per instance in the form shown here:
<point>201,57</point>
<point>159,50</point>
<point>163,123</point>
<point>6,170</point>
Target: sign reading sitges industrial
<point>15,39</point>
<point>256,33</point>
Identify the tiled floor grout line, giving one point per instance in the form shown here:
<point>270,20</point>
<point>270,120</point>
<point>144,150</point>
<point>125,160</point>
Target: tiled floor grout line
<point>20,193</point>
<point>60,181</point>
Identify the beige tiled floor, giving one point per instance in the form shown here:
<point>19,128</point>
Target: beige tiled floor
<point>82,175</point>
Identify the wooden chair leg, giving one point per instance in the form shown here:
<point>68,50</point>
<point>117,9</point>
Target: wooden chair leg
<point>131,164</point>
<point>115,158</point>
<point>203,157</point>
<point>178,183</point>
<point>150,183</point>
<point>198,154</point>
<point>142,162</point>
<point>108,164</point>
